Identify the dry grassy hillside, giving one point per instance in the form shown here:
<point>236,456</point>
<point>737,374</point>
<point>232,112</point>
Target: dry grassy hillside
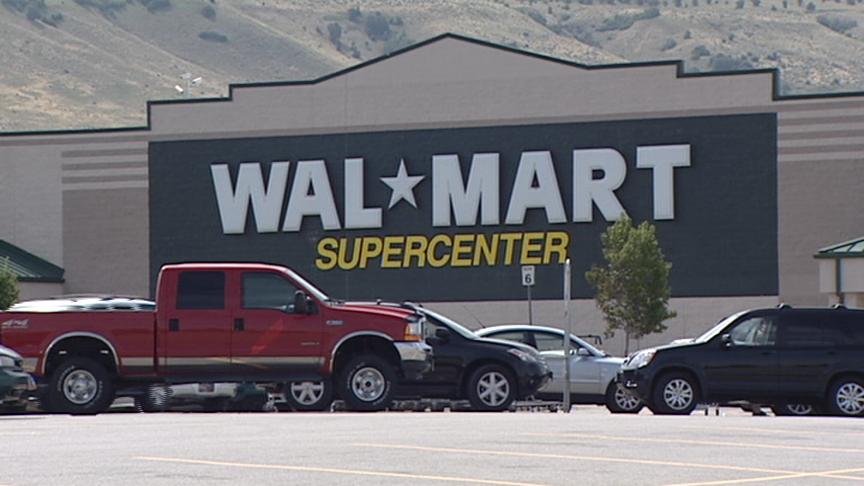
<point>95,63</point>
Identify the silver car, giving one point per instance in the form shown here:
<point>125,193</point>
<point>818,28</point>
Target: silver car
<point>592,371</point>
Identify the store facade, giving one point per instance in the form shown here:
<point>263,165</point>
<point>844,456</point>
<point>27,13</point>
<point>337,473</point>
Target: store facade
<point>435,173</point>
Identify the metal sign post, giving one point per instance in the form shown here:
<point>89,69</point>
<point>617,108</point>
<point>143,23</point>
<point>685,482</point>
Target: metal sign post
<point>528,282</point>
<point>569,320</point>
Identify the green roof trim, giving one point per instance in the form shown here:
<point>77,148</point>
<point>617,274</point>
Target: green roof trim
<point>847,249</point>
<point>29,267</point>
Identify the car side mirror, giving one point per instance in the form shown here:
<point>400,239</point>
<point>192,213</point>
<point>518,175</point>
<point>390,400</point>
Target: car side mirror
<point>442,334</point>
<point>582,352</point>
<point>726,341</point>
<point>301,302</point>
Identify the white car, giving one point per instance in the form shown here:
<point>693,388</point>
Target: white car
<point>592,371</point>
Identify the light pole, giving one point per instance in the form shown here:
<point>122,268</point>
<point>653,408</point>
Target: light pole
<point>190,82</point>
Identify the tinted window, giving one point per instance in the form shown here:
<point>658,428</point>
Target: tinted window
<point>551,342</point>
<point>809,330</point>
<point>201,290</point>
<point>755,331</point>
<point>267,291</point>
<point>850,329</point>
<point>516,336</point>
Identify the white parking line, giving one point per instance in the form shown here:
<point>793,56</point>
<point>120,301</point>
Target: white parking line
<point>621,460</point>
<point>836,474</point>
<point>350,472</point>
<point>753,445</point>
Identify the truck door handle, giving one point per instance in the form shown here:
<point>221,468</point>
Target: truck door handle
<point>173,324</point>
<point>239,325</point>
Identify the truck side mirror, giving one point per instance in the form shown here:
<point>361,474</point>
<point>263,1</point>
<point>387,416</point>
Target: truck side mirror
<point>301,304</point>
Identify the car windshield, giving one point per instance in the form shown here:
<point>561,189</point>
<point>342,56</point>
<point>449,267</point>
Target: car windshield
<point>718,328</point>
<point>453,325</point>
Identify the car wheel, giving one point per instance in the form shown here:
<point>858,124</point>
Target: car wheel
<point>619,400</point>
<point>491,388</point>
<point>788,409</point>
<point>309,396</point>
<point>675,394</point>
<point>846,397</point>
<point>80,386</point>
<point>367,383</point>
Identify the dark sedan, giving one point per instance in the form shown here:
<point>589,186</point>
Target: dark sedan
<point>490,373</point>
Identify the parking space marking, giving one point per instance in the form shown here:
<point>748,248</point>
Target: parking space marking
<point>836,474</point>
<point>773,431</point>
<point>349,472</point>
<point>696,442</point>
<point>540,455</point>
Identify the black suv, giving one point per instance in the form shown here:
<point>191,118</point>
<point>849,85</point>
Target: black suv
<point>776,356</point>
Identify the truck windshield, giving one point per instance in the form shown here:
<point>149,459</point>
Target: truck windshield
<point>308,287</point>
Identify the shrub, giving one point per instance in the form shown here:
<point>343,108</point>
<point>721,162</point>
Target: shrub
<point>377,27</point>
<point>625,21</point>
<point>723,62</point>
<point>8,285</point>
<point>154,6</point>
<point>211,36</point>
<point>334,33</point>
<point>355,15</point>
<point>209,12</point>
<point>699,52</point>
<point>837,23</point>
<point>668,44</point>
<point>107,8</point>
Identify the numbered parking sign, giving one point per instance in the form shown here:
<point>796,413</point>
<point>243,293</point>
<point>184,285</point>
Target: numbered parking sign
<point>528,275</point>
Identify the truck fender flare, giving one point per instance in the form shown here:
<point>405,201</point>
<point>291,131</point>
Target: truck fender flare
<point>44,359</point>
<point>352,336</point>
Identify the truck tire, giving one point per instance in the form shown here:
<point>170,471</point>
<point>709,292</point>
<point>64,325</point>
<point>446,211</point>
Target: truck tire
<point>309,396</point>
<point>619,400</point>
<point>675,393</point>
<point>80,386</point>
<point>367,383</point>
<point>491,388</point>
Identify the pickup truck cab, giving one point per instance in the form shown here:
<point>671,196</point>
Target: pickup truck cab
<point>217,322</point>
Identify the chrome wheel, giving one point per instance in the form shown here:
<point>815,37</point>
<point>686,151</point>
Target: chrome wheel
<point>799,408</point>
<point>493,389</point>
<point>626,400</point>
<point>678,394</point>
<point>368,384</point>
<point>308,392</point>
<point>80,387</point>
<point>850,398</point>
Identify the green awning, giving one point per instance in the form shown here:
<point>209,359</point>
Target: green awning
<point>29,267</point>
<point>849,249</point>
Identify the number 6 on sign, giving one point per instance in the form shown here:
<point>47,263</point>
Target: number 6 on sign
<point>528,275</point>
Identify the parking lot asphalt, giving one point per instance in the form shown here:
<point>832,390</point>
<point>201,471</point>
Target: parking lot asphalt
<point>587,446</point>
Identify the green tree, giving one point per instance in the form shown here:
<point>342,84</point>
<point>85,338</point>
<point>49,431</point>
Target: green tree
<point>632,288</point>
<point>8,285</point>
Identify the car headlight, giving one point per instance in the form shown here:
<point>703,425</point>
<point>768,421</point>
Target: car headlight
<point>414,328</point>
<point>641,359</point>
<point>7,362</point>
<point>521,354</point>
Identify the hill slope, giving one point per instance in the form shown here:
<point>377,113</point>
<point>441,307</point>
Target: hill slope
<point>95,63</point>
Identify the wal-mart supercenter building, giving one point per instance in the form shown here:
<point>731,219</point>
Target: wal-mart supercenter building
<point>435,173</point>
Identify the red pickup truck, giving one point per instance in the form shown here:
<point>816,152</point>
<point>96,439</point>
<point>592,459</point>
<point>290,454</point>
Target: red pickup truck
<point>217,322</point>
